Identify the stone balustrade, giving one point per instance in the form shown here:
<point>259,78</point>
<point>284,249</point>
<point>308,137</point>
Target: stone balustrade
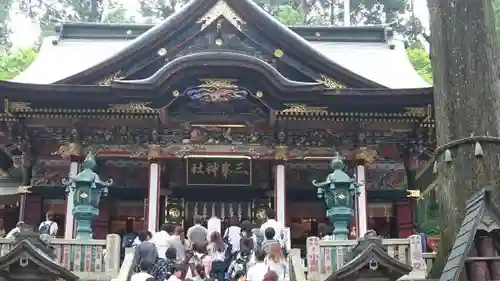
<point>89,260</point>
<point>326,256</point>
<point>429,259</point>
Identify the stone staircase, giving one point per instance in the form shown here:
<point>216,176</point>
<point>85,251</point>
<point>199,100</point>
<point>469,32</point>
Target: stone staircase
<point>323,257</point>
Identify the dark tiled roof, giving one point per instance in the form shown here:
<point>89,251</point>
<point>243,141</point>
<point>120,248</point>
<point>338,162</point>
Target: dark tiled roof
<point>475,209</point>
<point>30,246</point>
<point>370,254</point>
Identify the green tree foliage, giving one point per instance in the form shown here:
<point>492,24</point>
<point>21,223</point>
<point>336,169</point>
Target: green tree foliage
<point>421,62</point>
<point>330,12</point>
<point>13,63</point>
<point>154,10</point>
<point>428,214</point>
<point>46,12</point>
<point>5,7</point>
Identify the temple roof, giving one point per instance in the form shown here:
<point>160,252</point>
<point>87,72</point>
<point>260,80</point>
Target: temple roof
<point>480,214</point>
<point>68,57</point>
<point>369,257</point>
<point>361,56</point>
<point>29,247</point>
<point>74,97</point>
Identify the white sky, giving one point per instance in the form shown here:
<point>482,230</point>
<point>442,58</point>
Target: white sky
<point>25,32</point>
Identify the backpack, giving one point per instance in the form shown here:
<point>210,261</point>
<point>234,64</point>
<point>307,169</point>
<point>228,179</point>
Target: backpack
<point>128,240</point>
<point>45,229</point>
<point>240,264</point>
<point>259,238</point>
<point>196,260</point>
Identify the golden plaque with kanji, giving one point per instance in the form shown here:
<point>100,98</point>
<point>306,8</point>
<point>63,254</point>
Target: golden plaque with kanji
<point>210,171</point>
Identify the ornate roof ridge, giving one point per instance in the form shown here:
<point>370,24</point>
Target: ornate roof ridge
<point>107,31</point>
<point>237,12</point>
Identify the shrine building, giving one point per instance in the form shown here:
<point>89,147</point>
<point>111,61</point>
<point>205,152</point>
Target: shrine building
<point>218,110</point>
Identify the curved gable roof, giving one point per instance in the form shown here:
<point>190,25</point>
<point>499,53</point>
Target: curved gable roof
<point>238,13</point>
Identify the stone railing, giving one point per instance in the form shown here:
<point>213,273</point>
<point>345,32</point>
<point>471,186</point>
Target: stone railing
<point>89,260</point>
<point>296,266</point>
<point>429,259</point>
<point>128,264</point>
<point>326,256</point>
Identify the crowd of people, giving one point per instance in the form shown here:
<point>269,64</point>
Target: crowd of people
<point>240,253</point>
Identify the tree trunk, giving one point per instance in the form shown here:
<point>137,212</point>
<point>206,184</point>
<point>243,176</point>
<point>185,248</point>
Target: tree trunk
<point>467,99</point>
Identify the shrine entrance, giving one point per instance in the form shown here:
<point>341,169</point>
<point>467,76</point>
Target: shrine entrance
<point>217,186</point>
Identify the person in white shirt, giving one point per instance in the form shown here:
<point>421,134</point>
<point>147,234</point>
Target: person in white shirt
<point>233,235</point>
<point>259,269</point>
<point>178,242</point>
<point>142,237</point>
<point>49,226</point>
<point>15,230</point>
<point>271,222</point>
<point>160,239</point>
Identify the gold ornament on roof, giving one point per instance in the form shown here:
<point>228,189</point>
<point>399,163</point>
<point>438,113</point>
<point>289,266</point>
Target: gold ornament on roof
<point>132,106</point>
<point>68,150</point>
<point>217,84</point>
<point>329,82</point>
<point>221,10</point>
<point>419,112</point>
<point>369,155</point>
<point>304,108</point>
<point>278,53</point>
<point>415,111</point>
<point>113,77</point>
<point>16,106</point>
<point>4,174</point>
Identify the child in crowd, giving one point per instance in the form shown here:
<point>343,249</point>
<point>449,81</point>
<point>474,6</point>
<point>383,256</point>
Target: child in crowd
<point>269,234</point>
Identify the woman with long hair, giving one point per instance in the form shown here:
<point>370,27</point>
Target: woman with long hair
<point>276,261</point>
<point>220,254</point>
